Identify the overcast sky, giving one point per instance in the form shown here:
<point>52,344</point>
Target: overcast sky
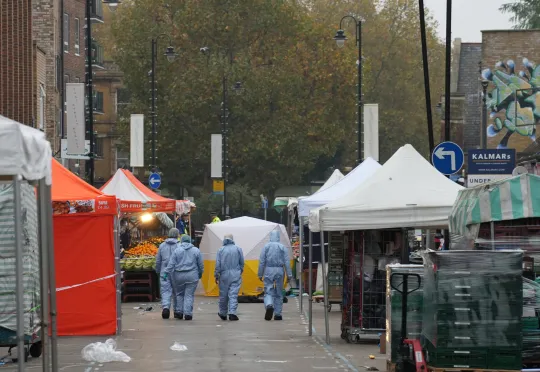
<point>469,17</point>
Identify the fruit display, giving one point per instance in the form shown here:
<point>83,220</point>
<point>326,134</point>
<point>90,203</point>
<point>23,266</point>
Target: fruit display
<point>142,256</point>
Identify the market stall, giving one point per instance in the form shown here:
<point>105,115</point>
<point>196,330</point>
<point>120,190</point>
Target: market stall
<point>406,192</point>
<point>250,234</point>
<point>26,245</point>
<point>86,251</point>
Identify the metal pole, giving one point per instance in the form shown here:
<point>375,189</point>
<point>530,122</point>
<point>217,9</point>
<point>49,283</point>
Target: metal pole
<point>301,264</point>
<point>265,209</point>
<point>90,87</point>
<point>224,142</point>
<point>447,93</point>
<point>44,273</point>
<point>325,289</point>
<point>310,283</point>
<point>427,89</point>
<point>448,70</point>
<point>52,283</point>
<point>405,248</point>
<point>428,239</point>
<point>360,98</point>
<point>492,228</point>
<point>118,275</point>
<point>154,54</point>
<point>19,286</point>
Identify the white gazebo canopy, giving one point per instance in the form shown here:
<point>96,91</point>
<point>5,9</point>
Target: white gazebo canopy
<point>352,180</point>
<point>24,151</point>
<point>406,192</point>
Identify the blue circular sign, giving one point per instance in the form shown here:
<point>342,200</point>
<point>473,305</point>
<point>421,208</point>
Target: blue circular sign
<point>447,158</point>
<point>154,180</point>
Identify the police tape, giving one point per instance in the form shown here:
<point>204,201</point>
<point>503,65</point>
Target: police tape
<point>85,283</point>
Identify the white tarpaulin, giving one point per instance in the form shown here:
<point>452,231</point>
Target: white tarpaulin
<point>24,151</point>
<point>251,235</point>
<point>124,189</point>
<point>406,192</point>
<point>340,188</point>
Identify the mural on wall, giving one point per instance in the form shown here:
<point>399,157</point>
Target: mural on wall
<point>513,104</point>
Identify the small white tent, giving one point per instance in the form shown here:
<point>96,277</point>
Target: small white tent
<point>406,192</point>
<point>352,180</point>
<point>250,234</point>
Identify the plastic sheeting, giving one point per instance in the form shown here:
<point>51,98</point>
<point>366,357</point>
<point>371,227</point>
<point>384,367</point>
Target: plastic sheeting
<point>406,192</point>
<point>31,279</point>
<point>24,151</point>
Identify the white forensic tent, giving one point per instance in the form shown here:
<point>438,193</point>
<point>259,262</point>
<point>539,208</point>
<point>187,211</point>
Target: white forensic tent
<point>348,183</point>
<point>407,192</point>
<point>250,234</point>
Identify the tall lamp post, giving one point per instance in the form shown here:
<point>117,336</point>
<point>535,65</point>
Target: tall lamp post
<point>485,84</point>
<point>171,55</point>
<point>340,39</point>
<point>90,80</point>
<point>224,124</point>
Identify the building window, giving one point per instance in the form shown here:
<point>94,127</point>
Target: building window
<point>98,146</point>
<point>66,33</point>
<point>77,40</point>
<point>98,102</point>
<point>41,124</point>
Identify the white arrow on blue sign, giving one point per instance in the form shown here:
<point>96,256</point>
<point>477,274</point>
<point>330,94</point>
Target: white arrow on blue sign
<point>265,203</point>
<point>447,158</point>
<point>154,180</point>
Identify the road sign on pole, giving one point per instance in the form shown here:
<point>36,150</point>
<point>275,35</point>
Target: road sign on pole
<point>447,158</point>
<point>154,180</point>
<point>218,186</point>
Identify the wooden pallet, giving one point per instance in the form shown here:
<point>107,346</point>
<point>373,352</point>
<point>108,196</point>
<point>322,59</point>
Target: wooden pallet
<point>433,369</point>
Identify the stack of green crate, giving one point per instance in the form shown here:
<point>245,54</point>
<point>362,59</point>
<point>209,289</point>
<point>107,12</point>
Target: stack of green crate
<point>473,304</point>
<point>394,305</point>
<point>531,322</point>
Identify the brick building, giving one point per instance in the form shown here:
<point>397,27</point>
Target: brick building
<point>17,62</point>
<point>508,59</point>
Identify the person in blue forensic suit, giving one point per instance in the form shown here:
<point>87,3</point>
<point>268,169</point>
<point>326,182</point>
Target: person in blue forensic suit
<point>165,252</point>
<point>228,274</point>
<point>186,268</point>
<point>274,263</point>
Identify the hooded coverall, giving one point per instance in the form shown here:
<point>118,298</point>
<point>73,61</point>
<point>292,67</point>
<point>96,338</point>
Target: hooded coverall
<point>186,268</point>
<point>228,272</point>
<point>274,262</point>
<point>165,251</point>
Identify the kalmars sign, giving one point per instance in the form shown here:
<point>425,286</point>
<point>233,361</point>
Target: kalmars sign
<point>492,156</point>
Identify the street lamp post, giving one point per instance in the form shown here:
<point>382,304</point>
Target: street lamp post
<point>238,89</point>
<point>171,55</point>
<point>485,84</point>
<point>90,82</point>
<point>340,39</point>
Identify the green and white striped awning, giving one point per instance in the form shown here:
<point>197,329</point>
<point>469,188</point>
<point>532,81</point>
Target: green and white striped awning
<point>509,199</point>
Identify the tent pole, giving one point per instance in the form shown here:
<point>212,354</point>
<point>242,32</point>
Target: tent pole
<point>52,283</point>
<point>44,274</point>
<point>118,271</point>
<point>310,283</point>
<point>325,289</point>
<point>492,228</point>
<point>301,263</point>
<point>405,247</point>
<point>19,285</point>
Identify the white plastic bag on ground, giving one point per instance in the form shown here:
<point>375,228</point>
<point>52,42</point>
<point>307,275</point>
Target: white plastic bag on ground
<point>104,352</point>
<point>178,347</point>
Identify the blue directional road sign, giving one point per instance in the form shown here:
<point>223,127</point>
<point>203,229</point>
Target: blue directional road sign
<point>154,180</point>
<point>447,158</point>
<point>265,203</point>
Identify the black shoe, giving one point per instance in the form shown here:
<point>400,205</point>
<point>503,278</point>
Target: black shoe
<point>233,317</point>
<point>278,317</point>
<point>269,313</point>
<point>188,317</point>
<point>165,314</point>
<point>223,317</point>
<point>178,315</point>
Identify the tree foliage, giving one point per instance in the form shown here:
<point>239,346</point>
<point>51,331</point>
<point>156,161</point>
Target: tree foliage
<point>525,13</point>
<point>297,114</point>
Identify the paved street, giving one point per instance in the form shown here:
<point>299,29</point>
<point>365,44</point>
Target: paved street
<point>251,344</point>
